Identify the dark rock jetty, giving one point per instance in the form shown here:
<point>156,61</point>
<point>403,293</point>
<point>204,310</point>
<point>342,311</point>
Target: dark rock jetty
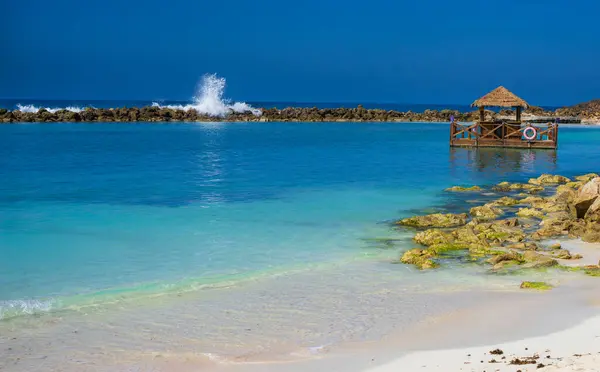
<point>589,110</point>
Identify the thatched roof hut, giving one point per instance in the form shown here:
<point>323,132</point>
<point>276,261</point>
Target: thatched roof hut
<point>500,97</point>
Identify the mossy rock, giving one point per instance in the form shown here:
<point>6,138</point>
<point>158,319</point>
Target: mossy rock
<point>592,271</point>
<point>549,179</point>
<point>432,236</point>
<point>485,212</point>
<point>585,178</point>
<point>540,286</point>
<point>420,258</point>
<point>564,254</point>
<point>534,260</point>
<point>530,213</point>
<point>435,220</point>
<point>505,202</point>
<point>463,188</point>
<point>442,248</point>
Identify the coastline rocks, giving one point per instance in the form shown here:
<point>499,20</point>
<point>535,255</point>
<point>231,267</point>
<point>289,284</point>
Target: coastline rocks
<point>548,179</point>
<point>432,236</point>
<point>435,220</point>
<point>540,286</point>
<point>507,187</point>
<point>505,201</point>
<point>530,212</point>
<point>505,243</point>
<point>463,188</point>
<point>296,114</point>
<point>421,258</point>
<point>536,260</point>
<point>586,196</point>
<point>485,212</point>
<point>586,177</point>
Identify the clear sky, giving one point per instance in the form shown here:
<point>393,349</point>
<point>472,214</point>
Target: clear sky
<point>417,51</point>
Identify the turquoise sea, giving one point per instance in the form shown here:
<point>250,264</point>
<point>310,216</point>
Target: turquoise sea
<point>111,214</point>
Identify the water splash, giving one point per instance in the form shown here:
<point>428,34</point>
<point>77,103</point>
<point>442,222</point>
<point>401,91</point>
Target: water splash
<point>209,99</point>
<point>34,109</point>
<point>15,308</point>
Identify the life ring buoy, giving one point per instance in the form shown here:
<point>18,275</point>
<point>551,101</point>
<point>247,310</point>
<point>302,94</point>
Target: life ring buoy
<point>532,135</point>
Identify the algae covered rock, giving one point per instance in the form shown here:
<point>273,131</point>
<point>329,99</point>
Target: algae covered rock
<point>549,179</point>
<point>463,188</point>
<point>421,258</point>
<point>485,212</point>
<point>540,286</point>
<point>507,186</point>
<point>435,220</point>
<point>564,254</point>
<point>586,196</point>
<point>593,212</point>
<point>505,202</point>
<point>535,260</point>
<point>587,177</point>
<point>432,236</point>
<point>530,212</point>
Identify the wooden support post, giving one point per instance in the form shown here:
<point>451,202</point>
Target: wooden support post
<point>481,114</point>
<point>519,114</point>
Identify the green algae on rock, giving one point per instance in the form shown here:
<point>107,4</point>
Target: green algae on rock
<point>541,286</point>
<point>485,212</point>
<point>421,258</point>
<point>505,201</point>
<point>530,212</point>
<point>432,236</point>
<point>435,220</point>
<point>548,179</point>
<point>463,188</point>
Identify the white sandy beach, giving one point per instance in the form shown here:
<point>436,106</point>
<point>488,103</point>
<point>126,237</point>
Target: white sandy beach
<point>574,349</point>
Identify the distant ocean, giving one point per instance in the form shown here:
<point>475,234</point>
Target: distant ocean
<point>209,99</point>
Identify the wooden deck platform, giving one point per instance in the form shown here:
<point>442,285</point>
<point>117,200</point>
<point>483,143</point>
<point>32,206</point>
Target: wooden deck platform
<point>505,134</point>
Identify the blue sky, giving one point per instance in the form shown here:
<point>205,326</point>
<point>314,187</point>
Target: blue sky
<point>425,51</point>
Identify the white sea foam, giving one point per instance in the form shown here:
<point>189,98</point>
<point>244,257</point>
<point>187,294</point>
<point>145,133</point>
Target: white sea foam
<point>13,308</point>
<point>209,99</point>
<point>34,109</point>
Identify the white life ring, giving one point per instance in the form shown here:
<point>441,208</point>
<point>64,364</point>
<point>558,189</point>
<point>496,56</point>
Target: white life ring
<point>531,136</point>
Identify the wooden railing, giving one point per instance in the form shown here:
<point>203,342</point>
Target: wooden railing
<point>505,134</point>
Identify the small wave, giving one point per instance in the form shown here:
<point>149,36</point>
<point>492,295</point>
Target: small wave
<point>34,109</point>
<point>209,99</point>
<point>15,308</point>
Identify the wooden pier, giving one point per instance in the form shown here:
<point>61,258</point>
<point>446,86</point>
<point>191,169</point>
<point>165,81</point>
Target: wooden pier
<point>503,133</point>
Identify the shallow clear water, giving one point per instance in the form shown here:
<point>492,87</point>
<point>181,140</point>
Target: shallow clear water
<point>96,211</point>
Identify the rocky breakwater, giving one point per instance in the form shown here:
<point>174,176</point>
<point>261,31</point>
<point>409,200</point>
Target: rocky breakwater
<point>508,232</point>
<point>294,114</point>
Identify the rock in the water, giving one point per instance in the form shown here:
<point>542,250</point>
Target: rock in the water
<point>535,260</point>
<point>587,177</point>
<point>432,236</point>
<point>541,286</point>
<point>485,212</point>
<point>548,179</point>
<point>505,202</point>
<point>586,196</point>
<point>435,220</point>
<point>421,258</point>
<point>530,212</point>
<point>564,254</point>
<point>463,188</point>
<point>593,212</point>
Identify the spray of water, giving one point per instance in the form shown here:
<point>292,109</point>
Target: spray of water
<point>209,99</point>
<point>32,108</point>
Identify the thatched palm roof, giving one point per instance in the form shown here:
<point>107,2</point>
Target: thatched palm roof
<point>500,97</point>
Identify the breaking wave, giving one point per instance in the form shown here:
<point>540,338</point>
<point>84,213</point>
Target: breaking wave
<point>34,109</point>
<point>15,308</point>
<point>209,99</point>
